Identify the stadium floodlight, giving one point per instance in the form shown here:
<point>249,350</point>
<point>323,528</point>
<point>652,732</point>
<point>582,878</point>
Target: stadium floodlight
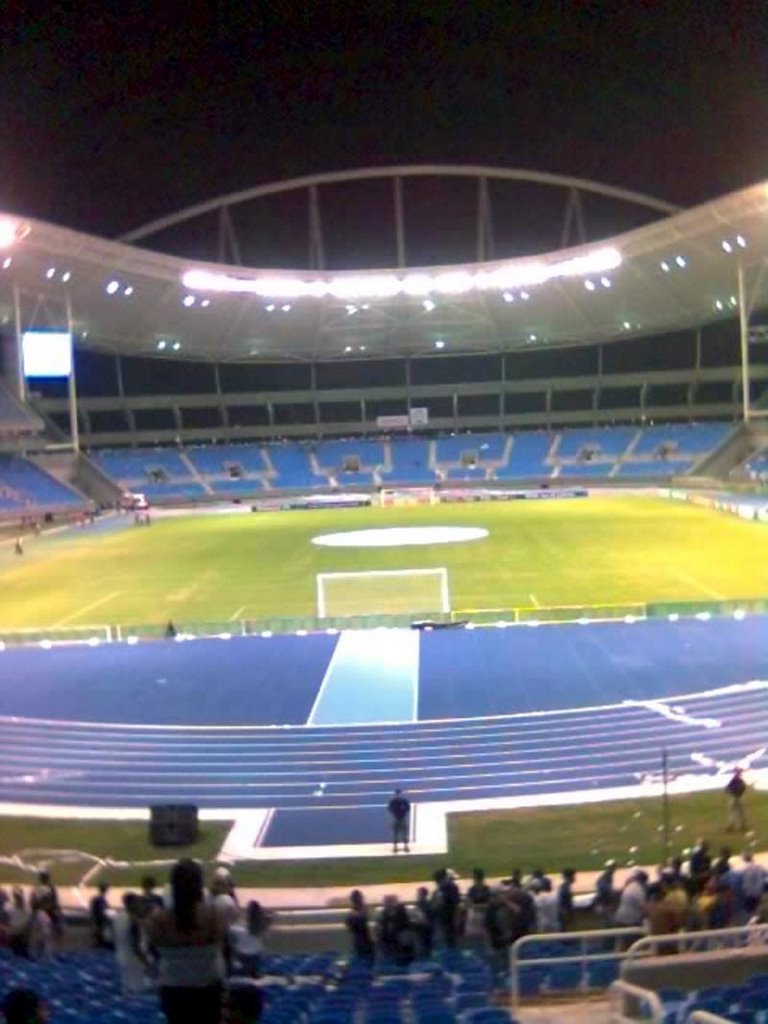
<point>681,261</point>
<point>726,246</point>
<point>589,285</point>
<point>741,241</point>
<point>176,346</point>
<point>7,262</point>
<point>11,232</point>
<point>161,345</point>
<point>112,287</point>
<point>664,266</point>
<point>428,304</point>
<point>188,300</point>
<point>515,274</point>
<point>50,272</point>
<point>508,297</point>
<point>66,276</point>
<point>439,343</point>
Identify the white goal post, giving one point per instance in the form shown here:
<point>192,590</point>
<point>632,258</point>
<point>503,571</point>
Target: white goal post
<point>382,592</point>
<point>399,497</point>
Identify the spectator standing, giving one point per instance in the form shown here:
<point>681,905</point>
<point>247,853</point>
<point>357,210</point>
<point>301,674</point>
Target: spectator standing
<point>446,904</point>
<point>358,926</point>
<point>223,897</point>
<point>565,899</point>
<point>101,926</point>
<point>547,910</point>
<point>423,919</point>
<point>133,963</point>
<point>394,934</point>
<point>400,812</point>
<point>188,940</point>
<point>700,865</point>
<point>246,939</point>
<point>735,790</point>
<point>18,923</point>
<point>604,902</point>
<point>753,878</point>
<point>632,908</point>
<point>47,896</point>
<point>477,897</point>
<point>150,899</point>
<point>40,930</point>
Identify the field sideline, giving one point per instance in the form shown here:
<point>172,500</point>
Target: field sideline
<point>601,550</point>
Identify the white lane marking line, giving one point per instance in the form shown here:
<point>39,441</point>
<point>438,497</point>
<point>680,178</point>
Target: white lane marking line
<point>86,608</point>
<point>238,613</point>
<point>534,601</point>
<point>675,713</point>
<point>367,727</point>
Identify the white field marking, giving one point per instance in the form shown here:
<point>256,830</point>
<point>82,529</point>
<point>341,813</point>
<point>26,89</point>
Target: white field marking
<point>238,613</point>
<point>675,714</point>
<point>534,601</point>
<point>401,536</point>
<point>323,684</point>
<point>753,684</point>
<point>87,608</point>
<point>691,581</point>
<point>726,767</point>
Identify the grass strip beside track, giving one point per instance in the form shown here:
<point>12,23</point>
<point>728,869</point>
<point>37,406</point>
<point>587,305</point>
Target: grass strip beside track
<point>552,838</point>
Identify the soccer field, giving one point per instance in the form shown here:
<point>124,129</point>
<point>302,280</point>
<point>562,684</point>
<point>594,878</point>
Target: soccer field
<point>215,567</point>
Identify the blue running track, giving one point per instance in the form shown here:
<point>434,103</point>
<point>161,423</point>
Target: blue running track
<point>502,713</point>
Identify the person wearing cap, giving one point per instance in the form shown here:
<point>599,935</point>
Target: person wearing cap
<point>735,790</point>
<point>605,893</point>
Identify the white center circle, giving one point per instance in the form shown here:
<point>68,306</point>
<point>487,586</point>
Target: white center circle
<point>400,537</point>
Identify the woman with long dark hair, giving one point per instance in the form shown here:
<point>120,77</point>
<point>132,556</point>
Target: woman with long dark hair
<point>187,939</point>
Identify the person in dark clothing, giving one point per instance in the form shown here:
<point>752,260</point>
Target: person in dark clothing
<point>150,899</point>
<point>477,897</point>
<point>735,790</point>
<point>446,901</point>
<point>359,928</point>
<point>101,929</point>
<point>604,903</point>
<point>700,864</point>
<point>522,908</point>
<point>23,1006</point>
<point>565,899</point>
<point>400,811</point>
<point>394,933</point>
<point>423,918</point>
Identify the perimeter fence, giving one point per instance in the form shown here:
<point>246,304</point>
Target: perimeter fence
<point>472,618</point>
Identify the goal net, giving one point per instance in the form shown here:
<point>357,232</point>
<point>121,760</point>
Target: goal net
<point>386,592</point>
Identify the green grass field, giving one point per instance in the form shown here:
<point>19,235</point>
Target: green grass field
<point>216,567</point>
<point>625,830</point>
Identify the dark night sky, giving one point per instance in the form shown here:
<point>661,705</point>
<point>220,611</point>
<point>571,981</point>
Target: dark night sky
<point>112,113</point>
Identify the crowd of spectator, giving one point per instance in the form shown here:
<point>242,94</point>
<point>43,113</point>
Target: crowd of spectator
<point>185,942</point>
<point>703,893</point>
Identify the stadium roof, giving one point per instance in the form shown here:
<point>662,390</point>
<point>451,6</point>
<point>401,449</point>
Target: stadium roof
<point>675,273</point>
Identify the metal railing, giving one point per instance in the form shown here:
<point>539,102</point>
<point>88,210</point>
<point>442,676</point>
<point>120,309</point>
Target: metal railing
<point>627,1003</point>
<point>696,942</point>
<point>583,956</point>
